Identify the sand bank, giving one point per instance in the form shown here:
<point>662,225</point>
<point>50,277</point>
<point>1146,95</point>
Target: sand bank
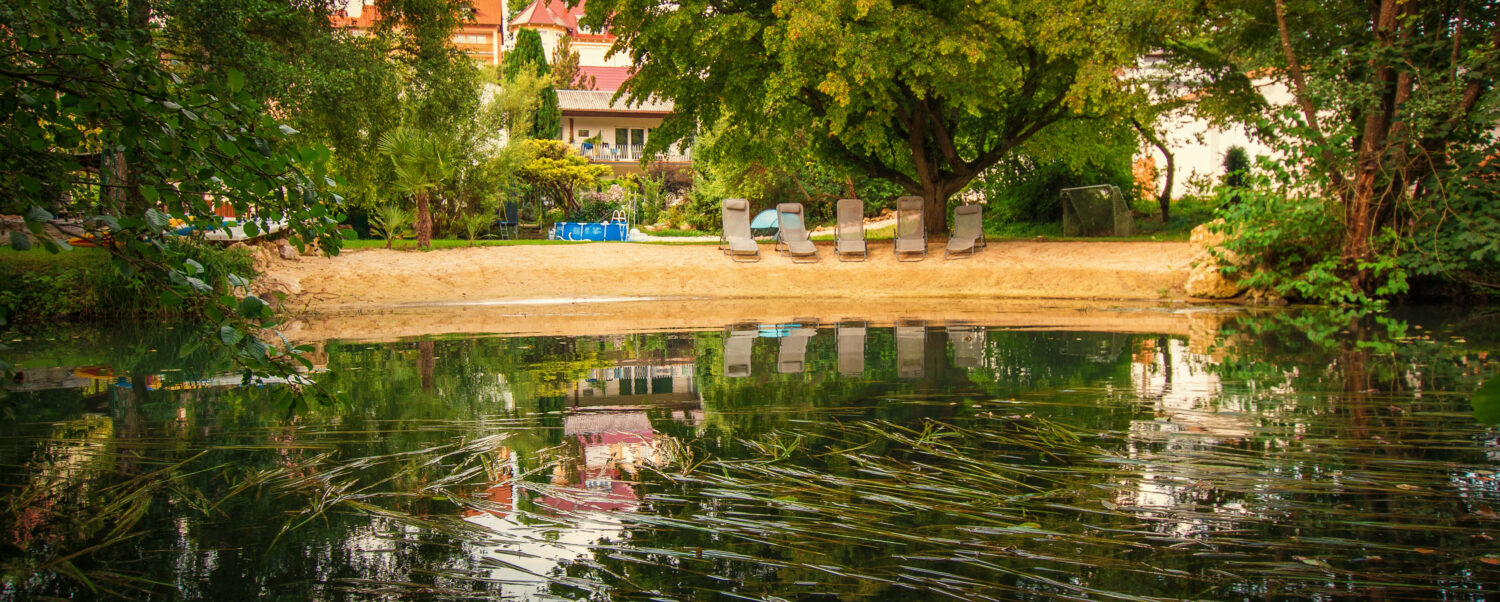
<point>549,274</point>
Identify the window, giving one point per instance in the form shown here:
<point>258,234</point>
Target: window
<point>471,38</point>
<point>583,133</point>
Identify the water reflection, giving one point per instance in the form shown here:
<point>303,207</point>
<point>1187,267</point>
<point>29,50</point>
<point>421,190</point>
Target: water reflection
<point>915,459</point>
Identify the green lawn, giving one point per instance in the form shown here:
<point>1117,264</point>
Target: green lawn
<point>38,258</point>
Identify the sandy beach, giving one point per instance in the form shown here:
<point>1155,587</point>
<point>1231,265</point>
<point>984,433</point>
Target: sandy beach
<point>562,274</point>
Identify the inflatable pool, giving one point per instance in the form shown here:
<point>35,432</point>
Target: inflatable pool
<point>590,231</point>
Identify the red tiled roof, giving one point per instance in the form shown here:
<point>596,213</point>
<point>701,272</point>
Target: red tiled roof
<point>486,12</point>
<point>555,13</point>
<point>606,78</point>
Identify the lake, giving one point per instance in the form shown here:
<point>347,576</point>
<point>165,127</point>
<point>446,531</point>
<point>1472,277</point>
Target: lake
<point>1311,454</point>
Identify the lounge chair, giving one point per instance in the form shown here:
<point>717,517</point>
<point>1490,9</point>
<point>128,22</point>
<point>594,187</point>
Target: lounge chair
<point>968,232</point>
<point>968,345</point>
<point>849,238</point>
<point>792,357</point>
<point>911,229</point>
<point>791,232</point>
<point>739,342</point>
<point>735,239</point>
<point>911,348</point>
<point>851,336</point>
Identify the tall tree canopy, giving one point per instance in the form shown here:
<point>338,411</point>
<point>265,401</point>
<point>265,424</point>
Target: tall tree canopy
<point>1392,121</point>
<point>546,121</point>
<point>924,93</point>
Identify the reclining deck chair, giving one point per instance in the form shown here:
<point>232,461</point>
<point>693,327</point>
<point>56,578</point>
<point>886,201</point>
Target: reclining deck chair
<point>911,348</point>
<point>849,239</point>
<point>792,357</point>
<point>968,345</point>
<point>851,336</point>
<point>739,343</point>
<point>735,239</point>
<point>968,232</point>
<point>911,229</point>
<point>791,232</point>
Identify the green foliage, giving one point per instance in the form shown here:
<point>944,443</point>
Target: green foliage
<point>475,224</point>
<point>97,122</point>
<point>565,70</point>
<point>1236,166</point>
<point>1393,120</point>
<point>38,288</point>
<point>1280,239</point>
<point>1025,188</point>
<point>559,170</point>
<point>390,221</point>
<point>529,57</point>
<point>422,160</point>
<point>925,95</point>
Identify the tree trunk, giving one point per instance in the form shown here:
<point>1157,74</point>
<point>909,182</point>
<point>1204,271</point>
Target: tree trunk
<point>1164,200</point>
<point>935,211</point>
<point>424,222</point>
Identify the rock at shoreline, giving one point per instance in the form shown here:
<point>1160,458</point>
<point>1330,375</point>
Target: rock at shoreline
<point>1206,281</point>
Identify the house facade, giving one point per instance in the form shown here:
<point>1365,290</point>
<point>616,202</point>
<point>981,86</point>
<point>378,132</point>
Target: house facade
<point>601,129</point>
<point>482,36</point>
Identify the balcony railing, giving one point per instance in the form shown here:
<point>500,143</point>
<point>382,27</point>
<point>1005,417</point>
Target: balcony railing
<point>631,153</point>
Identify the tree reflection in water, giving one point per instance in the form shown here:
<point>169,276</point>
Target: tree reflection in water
<point>1291,454</point>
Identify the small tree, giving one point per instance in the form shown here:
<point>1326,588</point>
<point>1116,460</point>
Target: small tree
<point>566,72</point>
<point>556,168</point>
<point>473,224</point>
<point>528,55</point>
<point>422,161</point>
<point>389,220</point>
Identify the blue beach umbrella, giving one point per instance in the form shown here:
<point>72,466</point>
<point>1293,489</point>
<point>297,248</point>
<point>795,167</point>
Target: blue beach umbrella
<point>764,223</point>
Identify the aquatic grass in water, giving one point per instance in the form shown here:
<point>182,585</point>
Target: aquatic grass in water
<point>1051,465</point>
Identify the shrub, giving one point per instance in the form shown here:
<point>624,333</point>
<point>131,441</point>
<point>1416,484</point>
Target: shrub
<point>37,287</point>
<point>1288,242</point>
<point>1026,189</point>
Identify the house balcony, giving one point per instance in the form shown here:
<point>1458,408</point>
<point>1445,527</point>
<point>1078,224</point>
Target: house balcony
<point>630,154</point>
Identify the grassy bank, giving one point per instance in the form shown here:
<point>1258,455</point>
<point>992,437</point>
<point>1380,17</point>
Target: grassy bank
<point>81,284</point>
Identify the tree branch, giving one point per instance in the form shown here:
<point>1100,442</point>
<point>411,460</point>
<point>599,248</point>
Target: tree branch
<point>1299,90</point>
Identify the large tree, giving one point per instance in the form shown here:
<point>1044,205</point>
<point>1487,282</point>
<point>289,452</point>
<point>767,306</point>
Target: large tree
<point>925,94</point>
<point>528,55</point>
<point>1392,115</point>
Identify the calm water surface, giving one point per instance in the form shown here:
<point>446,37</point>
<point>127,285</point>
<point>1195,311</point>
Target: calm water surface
<point>1287,455</point>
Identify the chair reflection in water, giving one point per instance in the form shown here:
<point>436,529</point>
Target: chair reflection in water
<point>792,359</point>
<point>851,335</point>
<point>911,346</point>
<point>968,345</point>
<point>739,342</point>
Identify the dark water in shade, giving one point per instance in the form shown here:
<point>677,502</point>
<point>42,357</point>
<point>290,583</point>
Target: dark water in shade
<point>1290,455</point>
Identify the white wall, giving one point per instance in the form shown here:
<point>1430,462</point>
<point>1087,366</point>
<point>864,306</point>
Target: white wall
<point>1198,147</point>
<point>591,54</point>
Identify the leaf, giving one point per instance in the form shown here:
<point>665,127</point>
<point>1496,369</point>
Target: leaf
<point>286,129</point>
<point>1486,402</point>
<point>252,306</point>
<point>20,241</point>
<point>236,80</point>
<point>199,285</point>
<point>238,281</point>
<point>1490,559</point>
<point>1314,562</point>
<point>157,219</point>
<point>230,335</point>
<point>193,267</point>
<point>38,214</point>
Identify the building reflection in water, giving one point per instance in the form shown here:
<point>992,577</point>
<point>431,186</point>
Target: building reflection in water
<point>608,436</point>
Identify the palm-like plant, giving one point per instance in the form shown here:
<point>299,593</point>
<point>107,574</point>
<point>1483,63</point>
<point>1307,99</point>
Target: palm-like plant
<point>473,224</point>
<point>389,220</point>
<point>422,160</point>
